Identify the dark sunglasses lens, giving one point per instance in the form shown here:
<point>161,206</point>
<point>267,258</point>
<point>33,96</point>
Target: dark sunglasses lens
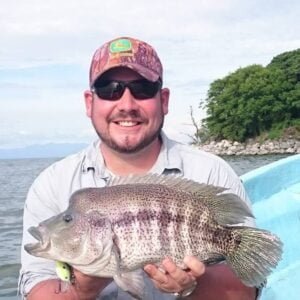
<point>144,89</point>
<point>140,89</point>
<point>109,90</point>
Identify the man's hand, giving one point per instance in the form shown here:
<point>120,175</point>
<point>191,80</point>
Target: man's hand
<point>171,279</point>
<point>85,288</point>
<point>88,287</point>
<point>213,282</point>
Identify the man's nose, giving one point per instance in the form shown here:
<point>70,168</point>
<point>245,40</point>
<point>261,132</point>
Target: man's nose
<point>127,102</point>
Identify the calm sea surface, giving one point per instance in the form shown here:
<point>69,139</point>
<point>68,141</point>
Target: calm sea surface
<point>16,177</point>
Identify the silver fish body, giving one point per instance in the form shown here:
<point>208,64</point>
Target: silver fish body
<point>116,230</point>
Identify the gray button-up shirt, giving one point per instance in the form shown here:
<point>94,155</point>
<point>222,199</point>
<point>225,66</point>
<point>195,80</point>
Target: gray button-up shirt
<point>50,192</point>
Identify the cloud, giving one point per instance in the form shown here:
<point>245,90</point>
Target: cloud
<point>46,32</point>
<point>46,48</point>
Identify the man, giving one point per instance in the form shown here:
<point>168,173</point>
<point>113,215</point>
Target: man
<point>127,104</point>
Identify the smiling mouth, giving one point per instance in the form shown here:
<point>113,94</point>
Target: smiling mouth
<point>128,123</point>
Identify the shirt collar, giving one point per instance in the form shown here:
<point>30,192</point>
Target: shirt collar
<point>93,160</point>
<point>169,159</point>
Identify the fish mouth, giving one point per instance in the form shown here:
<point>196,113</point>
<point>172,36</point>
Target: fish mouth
<point>43,241</point>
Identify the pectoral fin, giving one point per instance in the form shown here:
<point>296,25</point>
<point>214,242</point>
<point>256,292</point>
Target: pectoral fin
<point>132,282</point>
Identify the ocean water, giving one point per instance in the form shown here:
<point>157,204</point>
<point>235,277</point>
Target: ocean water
<point>16,176</point>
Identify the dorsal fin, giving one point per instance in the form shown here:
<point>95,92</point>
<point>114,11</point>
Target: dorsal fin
<point>177,182</point>
<point>226,208</point>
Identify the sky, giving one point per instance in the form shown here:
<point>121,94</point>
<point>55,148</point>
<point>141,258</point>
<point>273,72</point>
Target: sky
<point>46,48</point>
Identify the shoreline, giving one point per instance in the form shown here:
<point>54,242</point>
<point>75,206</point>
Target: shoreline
<point>231,148</point>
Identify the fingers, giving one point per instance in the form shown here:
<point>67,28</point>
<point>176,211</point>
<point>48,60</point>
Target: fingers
<point>156,274</point>
<point>195,266</point>
<point>181,277</point>
<point>171,278</point>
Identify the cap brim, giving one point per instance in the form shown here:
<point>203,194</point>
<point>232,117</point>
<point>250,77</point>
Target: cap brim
<point>144,72</point>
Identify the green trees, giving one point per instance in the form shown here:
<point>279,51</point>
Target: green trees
<point>289,64</point>
<point>255,99</point>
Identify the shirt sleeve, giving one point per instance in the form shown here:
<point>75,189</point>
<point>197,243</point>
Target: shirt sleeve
<point>40,204</point>
<point>48,196</point>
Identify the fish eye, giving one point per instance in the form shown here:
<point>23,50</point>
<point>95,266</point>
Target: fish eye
<point>67,218</point>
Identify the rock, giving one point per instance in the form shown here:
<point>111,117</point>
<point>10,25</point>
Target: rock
<point>226,147</point>
<point>284,145</point>
<point>290,150</point>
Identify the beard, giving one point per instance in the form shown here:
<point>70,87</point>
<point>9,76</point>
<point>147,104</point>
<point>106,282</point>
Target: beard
<point>127,147</point>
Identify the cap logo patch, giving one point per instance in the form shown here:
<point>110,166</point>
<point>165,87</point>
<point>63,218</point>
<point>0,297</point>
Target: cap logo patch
<point>121,45</point>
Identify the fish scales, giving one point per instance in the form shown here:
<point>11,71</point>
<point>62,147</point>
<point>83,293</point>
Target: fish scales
<point>154,218</point>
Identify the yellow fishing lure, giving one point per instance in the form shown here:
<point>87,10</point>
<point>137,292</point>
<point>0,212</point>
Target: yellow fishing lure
<point>63,271</point>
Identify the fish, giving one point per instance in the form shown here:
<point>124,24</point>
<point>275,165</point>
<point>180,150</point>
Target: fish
<point>114,231</point>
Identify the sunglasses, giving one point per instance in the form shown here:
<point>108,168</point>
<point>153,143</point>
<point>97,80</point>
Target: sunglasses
<point>113,89</point>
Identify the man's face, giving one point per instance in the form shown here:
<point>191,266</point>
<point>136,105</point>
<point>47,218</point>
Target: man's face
<point>127,125</point>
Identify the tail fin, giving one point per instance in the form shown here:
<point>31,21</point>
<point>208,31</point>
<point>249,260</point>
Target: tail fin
<point>257,254</point>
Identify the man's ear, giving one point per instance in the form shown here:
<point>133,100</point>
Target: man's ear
<point>88,99</point>
<point>164,96</point>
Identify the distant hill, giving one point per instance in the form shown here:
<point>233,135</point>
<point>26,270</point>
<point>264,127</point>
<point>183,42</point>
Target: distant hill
<point>41,151</point>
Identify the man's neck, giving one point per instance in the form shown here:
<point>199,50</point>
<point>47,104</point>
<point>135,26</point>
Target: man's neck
<point>131,163</point>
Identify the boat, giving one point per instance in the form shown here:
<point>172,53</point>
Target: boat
<point>274,191</point>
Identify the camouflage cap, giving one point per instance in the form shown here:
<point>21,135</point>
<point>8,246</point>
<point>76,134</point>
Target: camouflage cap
<point>126,52</point>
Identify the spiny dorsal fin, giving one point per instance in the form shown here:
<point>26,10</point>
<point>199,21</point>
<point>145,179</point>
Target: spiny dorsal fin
<point>227,208</point>
<point>177,182</point>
